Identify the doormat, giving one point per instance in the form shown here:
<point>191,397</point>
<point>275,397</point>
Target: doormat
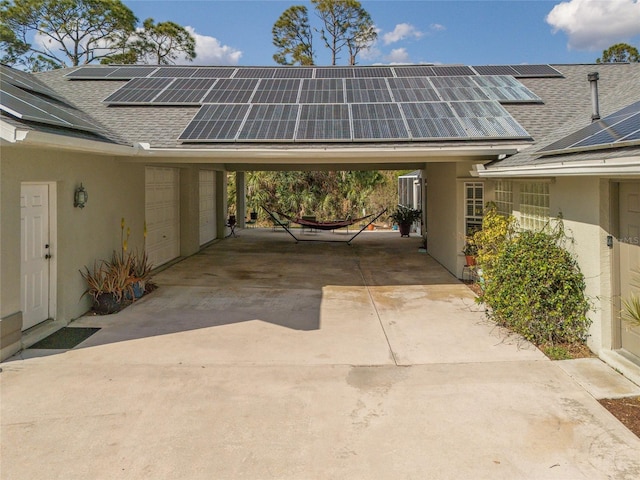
<point>65,338</point>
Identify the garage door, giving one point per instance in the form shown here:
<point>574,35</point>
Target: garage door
<point>630,258</point>
<point>162,211</point>
<point>207,206</point>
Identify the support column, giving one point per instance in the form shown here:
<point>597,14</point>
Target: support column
<point>423,186</point>
<point>241,199</point>
<point>221,203</point>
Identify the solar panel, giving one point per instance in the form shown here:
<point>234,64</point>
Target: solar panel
<point>277,90</point>
<point>30,107</point>
<point>495,70</point>
<point>139,91</point>
<point>322,90</point>
<point>506,89</point>
<point>324,122</point>
<point>381,72</point>
<point>412,89</point>
<point>127,73</point>
<point>270,122</point>
<point>458,89</point>
<point>417,71</point>
<point>91,73</point>
<point>454,70</point>
<point>174,72</point>
<point>487,119</point>
<point>332,72</point>
<point>185,91</point>
<point>213,72</point>
<point>26,81</point>
<point>614,130</point>
<point>432,120</point>
<point>367,90</point>
<point>536,71</point>
<point>215,123</point>
<point>232,90</point>
<point>294,72</point>
<point>378,121</point>
<point>255,73</point>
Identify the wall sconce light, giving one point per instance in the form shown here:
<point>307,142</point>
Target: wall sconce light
<point>80,197</point>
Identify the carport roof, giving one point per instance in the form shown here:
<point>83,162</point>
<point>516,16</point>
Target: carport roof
<point>560,103</point>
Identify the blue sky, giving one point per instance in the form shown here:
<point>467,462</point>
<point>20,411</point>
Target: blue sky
<point>238,32</point>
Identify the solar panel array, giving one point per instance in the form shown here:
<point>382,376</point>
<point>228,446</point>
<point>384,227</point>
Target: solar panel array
<point>163,90</point>
<point>125,72</point>
<point>360,122</point>
<point>24,97</point>
<point>336,104</point>
<point>618,129</point>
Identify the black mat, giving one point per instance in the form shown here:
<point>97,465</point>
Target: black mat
<point>65,338</point>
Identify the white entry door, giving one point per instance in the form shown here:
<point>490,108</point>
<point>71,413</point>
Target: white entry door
<point>35,254</point>
<point>162,212</point>
<point>629,266</point>
<point>207,206</point>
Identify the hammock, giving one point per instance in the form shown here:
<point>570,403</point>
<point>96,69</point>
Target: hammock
<point>322,225</point>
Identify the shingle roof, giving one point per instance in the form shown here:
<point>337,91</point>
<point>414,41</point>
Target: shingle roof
<point>566,108</point>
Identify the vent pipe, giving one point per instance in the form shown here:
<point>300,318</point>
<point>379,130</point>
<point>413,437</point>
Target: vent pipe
<point>595,105</point>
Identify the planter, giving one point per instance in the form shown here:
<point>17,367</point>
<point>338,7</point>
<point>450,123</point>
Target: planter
<point>405,229</point>
<point>471,260</point>
<point>370,227</point>
<point>107,303</point>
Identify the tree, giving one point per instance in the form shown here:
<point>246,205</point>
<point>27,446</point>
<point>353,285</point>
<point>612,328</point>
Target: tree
<point>619,53</point>
<point>44,34</point>
<point>346,23</point>
<point>164,42</point>
<point>293,38</point>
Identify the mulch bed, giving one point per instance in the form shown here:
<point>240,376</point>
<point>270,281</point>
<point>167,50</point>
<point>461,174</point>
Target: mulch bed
<point>627,410</point>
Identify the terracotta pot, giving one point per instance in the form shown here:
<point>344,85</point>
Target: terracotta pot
<point>370,227</point>
<point>470,259</point>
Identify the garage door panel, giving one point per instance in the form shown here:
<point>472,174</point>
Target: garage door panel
<point>629,265</point>
<point>162,211</point>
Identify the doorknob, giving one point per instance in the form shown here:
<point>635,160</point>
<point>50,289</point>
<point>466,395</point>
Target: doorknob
<point>46,246</point>
<point>47,256</point>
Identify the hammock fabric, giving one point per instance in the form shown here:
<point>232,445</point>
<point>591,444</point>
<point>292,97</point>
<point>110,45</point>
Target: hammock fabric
<point>324,225</point>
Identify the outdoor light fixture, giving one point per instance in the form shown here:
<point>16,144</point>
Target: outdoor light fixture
<point>80,197</point>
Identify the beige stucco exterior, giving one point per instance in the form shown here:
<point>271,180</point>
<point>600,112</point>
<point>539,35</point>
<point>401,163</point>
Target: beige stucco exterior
<point>116,189</point>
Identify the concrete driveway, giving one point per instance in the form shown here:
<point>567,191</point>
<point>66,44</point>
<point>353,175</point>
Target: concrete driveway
<point>260,358</point>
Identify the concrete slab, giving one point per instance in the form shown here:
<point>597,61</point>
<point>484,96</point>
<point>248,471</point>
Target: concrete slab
<point>263,359</point>
<point>599,379</point>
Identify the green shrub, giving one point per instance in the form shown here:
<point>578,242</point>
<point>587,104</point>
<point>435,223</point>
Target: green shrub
<point>531,283</point>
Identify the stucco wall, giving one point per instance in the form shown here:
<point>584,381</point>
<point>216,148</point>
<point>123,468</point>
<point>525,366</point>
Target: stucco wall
<point>584,204</point>
<point>442,214</point>
<point>115,189</point>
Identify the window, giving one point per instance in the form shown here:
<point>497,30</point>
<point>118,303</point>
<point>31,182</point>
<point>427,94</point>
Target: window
<point>474,207</point>
<point>504,197</point>
<point>534,205</point>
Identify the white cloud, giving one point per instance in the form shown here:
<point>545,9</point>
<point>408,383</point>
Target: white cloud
<point>402,32</point>
<point>398,55</point>
<point>596,24</point>
<point>436,27</point>
<point>209,51</point>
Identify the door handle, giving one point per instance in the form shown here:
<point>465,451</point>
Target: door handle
<point>47,256</point>
<point>46,246</point>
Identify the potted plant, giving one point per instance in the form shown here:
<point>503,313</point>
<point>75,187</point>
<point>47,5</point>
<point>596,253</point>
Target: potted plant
<point>109,284</point>
<point>470,250</point>
<point>404,217</point>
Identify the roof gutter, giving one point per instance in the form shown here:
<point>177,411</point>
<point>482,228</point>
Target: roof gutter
<point>11,135</point>
<point>331,153</point>
<point>624,166</point>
